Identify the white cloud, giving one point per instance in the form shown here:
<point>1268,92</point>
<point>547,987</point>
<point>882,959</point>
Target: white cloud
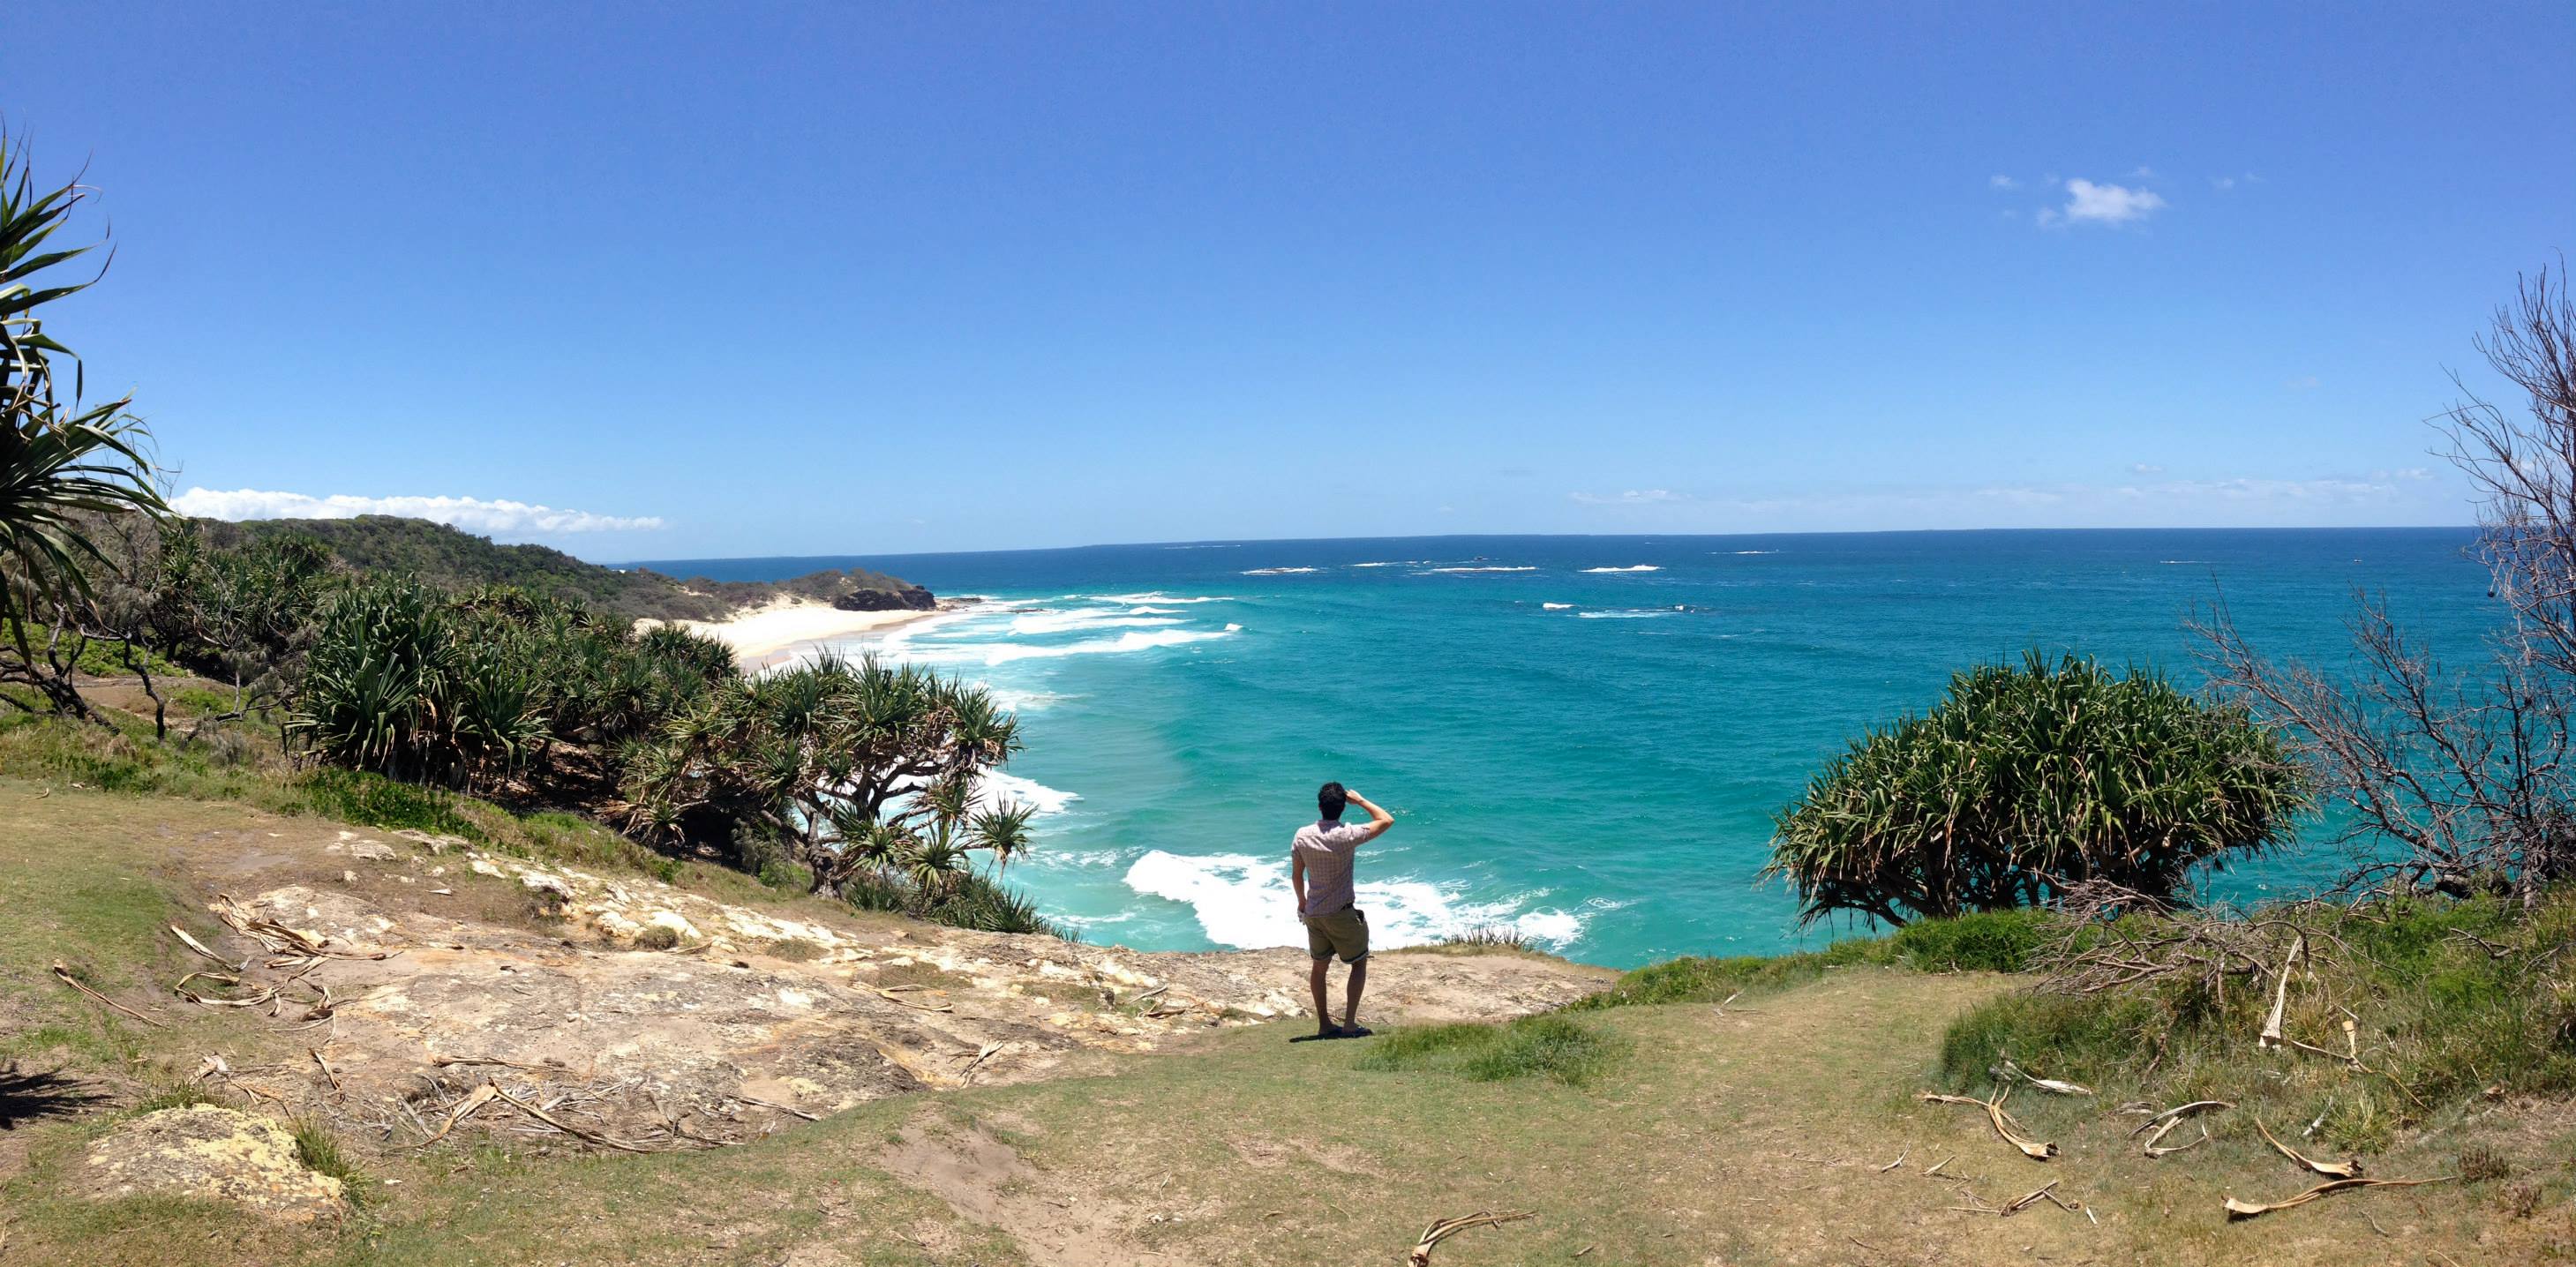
<point>2145,468</point>
<point>2090,203</point>
<point>474,514</point>
<point>1632,497</point>
<point>2303,383</point>
<point>2142,172</point>
<point>2222,182</point>
<point>2002,182</point>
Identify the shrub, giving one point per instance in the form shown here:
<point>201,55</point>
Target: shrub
<point>2448,998</point>
<point>1489,937</point>
<point>2027,778</point>
<point>1986,941</point>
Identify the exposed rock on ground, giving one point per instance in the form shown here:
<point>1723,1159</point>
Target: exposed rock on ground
<point>739,1020</point>
<point>215,1153</point>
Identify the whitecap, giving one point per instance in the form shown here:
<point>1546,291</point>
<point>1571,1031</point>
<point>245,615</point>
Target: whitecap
<point>1133,640</point>
<point>1627,615</point>
<point>1156,597</point>
<point>1244,901</point>
<point>1024,701</point>
<point>1642,567</point>
<point>1000,789</point>
<point>1748,552</point>
<point>1556,607</point>
<point>1461,570</point>
<point>1049,622</point>
<point>1279,571</point>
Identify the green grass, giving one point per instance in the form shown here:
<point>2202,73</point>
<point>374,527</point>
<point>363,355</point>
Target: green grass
<point>372,800</point>
<point>1996,941</point>
<point>1533,1047</point>
<point>98,659</point>
<point>321,1153</point>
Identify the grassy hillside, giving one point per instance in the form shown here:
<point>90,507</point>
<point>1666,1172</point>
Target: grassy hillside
<point>446,556</point>
<point>1740,1111</point>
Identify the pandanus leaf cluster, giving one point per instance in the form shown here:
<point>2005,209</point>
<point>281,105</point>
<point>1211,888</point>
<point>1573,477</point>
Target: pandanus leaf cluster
<point>2027,778</point>
<point>62,463</point>
<point>870,773</point>
<point>411,682</point>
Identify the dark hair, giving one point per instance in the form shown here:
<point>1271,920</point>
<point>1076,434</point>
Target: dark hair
<point>1330,799</point>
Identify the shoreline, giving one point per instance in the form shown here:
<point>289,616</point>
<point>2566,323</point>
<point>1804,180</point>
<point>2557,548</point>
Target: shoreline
<point>766,636</point>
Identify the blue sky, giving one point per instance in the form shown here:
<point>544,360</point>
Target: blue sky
<point>815,279</point>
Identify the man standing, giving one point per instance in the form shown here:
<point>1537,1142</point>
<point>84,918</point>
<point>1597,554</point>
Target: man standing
<point>1320,868</point>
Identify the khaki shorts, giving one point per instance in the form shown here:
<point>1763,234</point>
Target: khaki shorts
<point>1344,933</point>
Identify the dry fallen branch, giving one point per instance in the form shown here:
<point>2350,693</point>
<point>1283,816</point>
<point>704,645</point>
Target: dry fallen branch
<point>2050,1085</point>
<point>576,1132</point>
<point>2154,1140</point>
<point>2271,1035</point>
<point>2180,1111</point>
<point>2006,1128</point>
<point>2246,1209</point>
<point>892,997</point>
<point>64,974</point>
<point>783,1108</point>
<point>461,1110</point>
<point>200,947</point>
<point>1446,1228</point>
<point>334,1078</point>
<point>2333,1169</point>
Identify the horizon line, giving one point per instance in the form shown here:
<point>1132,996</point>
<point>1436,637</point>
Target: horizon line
<point>1214,542</point>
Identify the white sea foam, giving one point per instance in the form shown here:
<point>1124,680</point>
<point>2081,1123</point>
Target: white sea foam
<point>1394,563</point>
<point>1642,567</point>
<point>1484,569</point>
<point>1748,552</point>
<point>1244,901</point>
<point>1556,607</point>
<point>1279,571</point>
<point>1627,615</point>
<point>1050,622</point>
<point>998,789</point>
<point>1024,701</point>
<point>1133,640</point>
<point>1156,597</point>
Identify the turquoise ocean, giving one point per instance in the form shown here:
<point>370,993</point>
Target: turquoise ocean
<point>1584,738</point>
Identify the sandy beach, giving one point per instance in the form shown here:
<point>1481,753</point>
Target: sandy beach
<point>767,635</point>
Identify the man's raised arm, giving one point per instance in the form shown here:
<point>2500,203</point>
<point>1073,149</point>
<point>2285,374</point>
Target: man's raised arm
<point>1379,820</point>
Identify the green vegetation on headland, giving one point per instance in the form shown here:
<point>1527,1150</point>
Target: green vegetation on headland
<point>453,559</point>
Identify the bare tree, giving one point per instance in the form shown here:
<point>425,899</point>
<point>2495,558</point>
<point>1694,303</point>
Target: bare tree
<point>2468,771</point>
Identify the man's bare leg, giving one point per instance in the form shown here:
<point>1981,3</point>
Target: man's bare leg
<point>1323,1014</point>
<point>1351,997</point>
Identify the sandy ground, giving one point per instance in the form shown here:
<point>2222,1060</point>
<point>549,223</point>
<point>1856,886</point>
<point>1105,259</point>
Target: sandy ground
<point>767,635</point>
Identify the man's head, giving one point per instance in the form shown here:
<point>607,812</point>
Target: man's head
<point>1331,798</point>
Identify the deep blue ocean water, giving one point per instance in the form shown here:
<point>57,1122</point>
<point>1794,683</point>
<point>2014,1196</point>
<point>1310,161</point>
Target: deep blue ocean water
<point>1585,737</point>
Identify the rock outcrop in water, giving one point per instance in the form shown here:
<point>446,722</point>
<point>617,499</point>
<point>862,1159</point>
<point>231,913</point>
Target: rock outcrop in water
<point>908,598</point>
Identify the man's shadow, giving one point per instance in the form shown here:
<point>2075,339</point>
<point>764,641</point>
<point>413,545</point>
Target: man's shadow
<point>27,1096</point>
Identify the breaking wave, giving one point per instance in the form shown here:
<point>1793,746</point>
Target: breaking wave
<point>1243,901</point>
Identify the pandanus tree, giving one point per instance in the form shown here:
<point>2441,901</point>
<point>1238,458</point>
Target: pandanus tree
<point>62,463</point>
<point>2027,778</point>
<point>852,764</point>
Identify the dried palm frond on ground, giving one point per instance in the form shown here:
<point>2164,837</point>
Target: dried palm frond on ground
<point>2248,1209</point>
<point>1443,1229</point>
<point>2006,1128</point>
